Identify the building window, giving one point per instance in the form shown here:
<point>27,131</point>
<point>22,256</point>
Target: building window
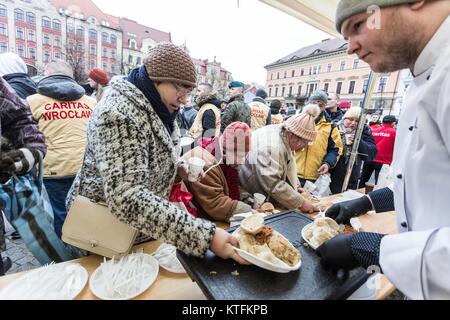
<point>93,49</point>
<point>80,32</point>
<point>32,53</point>
<point>290,91</point>
<point>3,30</point>
<point>93,64</point>
<point>46,38</point>
<point>3,47</point>
<point>278,75</point>
<point>382,84</point>
<point>351,87</point>
<point>314,70</point>
<point>104,52</point>
<point>270,92</point>
<point>70,29</point>
<point>302,72</point>
<point>113,69</point>
<point>18,15</point>
<point>31,18</point>
<point>57,42</point>
<point>21,51</point>
<point>285,74</point>
<point>104,66</point>
<point>130,59</point>
<point>271,76</point>
<point>276,92</point>
<point>132,44</point>
<point>293,73</point>
<point>92,34</point>
<point>355,63</point>
<point>138,60</point>
<point>113,53</point>
<point>366,83</point>
<point>57,55</point>
<point>310,70</point>
<point>57,25</point>
<point>104,37</point>
<point>282,91</point>
<point>319,69</point>
<point>338,87</point>
<point>19,33</point>
<point>32,35</point>
<point>46,56</point>
<point>113,39</point>
<point>329,67</point>
<point>326,87</point>
<point>342,65</point>
<point>2,11</point>
<point>46,23</point>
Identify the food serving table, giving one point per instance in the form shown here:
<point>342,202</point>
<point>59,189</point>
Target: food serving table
<point>171,286</point>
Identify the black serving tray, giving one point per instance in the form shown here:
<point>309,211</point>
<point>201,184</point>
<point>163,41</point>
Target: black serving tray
<point>311,282</point>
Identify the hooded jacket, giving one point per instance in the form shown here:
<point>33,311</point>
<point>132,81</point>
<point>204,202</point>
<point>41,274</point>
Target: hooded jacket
<point>62,111</point>
<point>21,83</point>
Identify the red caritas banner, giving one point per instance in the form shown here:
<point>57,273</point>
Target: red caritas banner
<point>66,110</point>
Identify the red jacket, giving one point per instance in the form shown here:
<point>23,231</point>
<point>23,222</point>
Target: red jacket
<point>384,139</point>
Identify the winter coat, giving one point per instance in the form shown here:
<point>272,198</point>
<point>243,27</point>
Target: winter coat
<point>335,116</point>
<point>236,111</point>
<point>270,168</point>
<point>326,148</point>
<point>385,141</point>
<point>16,121</point>
<point>62,111</point>
<point>367,152</point>
<point>208,118</point>
<point>131,165</point>
<point>22,83</point>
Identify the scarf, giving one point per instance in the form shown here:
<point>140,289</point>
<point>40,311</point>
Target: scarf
<point>139,78</point>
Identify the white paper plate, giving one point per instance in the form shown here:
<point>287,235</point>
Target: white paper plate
<point>73,280</point>
<point>305,228</point>
<point>98,288</point>
<point>263,263</point>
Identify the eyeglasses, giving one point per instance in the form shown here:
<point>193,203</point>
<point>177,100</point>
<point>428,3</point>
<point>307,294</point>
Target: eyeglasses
<point>182,90</point>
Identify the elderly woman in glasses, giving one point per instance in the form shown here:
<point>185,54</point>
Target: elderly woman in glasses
<point>132,155</point>
<point>367,150</point>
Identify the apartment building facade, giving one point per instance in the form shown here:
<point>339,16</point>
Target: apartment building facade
<point>327,66</point>
<point>213,73</point>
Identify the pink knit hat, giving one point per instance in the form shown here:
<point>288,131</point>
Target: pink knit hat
<point>303,125</point>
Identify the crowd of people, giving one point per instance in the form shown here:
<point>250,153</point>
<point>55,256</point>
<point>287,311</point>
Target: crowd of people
<point>118,141</point>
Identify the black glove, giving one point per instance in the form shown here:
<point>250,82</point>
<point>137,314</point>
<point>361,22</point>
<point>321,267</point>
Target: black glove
<point>344,211</point>
<point>349,251</point>
<point>18,161</point>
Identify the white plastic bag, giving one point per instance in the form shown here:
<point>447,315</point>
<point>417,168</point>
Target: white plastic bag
<point>386,177</point>
<point>323,185</point>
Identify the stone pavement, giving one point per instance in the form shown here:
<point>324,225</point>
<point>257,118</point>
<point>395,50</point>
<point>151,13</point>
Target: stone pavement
<point>22,259</point>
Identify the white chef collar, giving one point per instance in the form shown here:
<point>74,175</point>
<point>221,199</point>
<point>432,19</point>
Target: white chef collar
<point>433,49</point>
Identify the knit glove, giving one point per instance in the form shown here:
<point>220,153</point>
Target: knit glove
<point>342,212</point>
<point>349,251</point>
<point>18,161</point>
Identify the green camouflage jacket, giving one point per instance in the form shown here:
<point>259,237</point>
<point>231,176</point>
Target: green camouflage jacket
<point>237,110</point>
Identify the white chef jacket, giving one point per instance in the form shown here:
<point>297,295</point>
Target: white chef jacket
<point>417,261</point>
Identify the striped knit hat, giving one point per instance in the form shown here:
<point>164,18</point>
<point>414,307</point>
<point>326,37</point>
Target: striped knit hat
<point>303,125</point>
<point>167,62</point>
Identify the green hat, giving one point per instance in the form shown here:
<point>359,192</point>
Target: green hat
<point>319,95</point>
<point>236,84</point>
<point>348,8</point>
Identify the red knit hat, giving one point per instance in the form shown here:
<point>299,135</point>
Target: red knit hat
<point>236,142</point>
<point>99,76</point>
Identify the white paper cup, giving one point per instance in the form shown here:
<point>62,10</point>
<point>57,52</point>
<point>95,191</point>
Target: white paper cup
<point>259,200</point>
<point>195,168</point>
<point>348,139</point>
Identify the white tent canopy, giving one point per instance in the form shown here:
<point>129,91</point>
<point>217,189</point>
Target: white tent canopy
<point>317,13</point>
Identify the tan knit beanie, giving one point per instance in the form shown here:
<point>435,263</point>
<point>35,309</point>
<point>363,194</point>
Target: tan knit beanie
<point>303,125</point>
<point>353,113</point>
<point>167,62</point>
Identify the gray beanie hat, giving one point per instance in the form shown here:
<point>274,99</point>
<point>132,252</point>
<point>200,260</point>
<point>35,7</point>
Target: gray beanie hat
<point>319,95</point>
<point>348,8</point>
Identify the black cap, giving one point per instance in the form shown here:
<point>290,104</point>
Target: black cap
<point>261,93</point>
<point>389,119</point>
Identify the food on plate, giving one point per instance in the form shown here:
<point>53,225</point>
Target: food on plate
<point>267,208</point>
<point>267,244</point>
<point>349,229</point>
<point>253,224</point>
<point>322,230</point>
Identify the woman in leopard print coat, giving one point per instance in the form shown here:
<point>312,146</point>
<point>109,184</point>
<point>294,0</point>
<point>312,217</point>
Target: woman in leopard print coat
<point>133,151</point>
